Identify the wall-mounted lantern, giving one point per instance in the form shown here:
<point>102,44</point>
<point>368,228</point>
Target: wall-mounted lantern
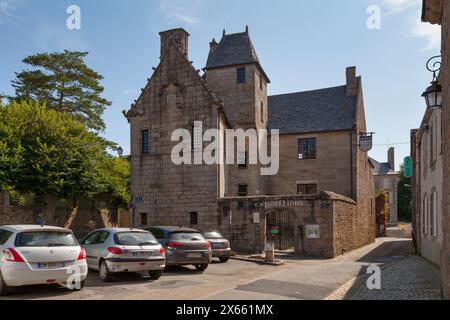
<point>366,141</point>
<point>433,94</point>
<point>120,151</point>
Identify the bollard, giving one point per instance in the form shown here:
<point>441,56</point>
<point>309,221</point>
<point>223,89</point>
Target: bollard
<point>270,252</point>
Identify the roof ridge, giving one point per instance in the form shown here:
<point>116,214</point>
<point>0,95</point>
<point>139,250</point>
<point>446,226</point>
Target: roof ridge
<point>313,90</point>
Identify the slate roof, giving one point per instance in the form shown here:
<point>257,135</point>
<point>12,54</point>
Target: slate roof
<point>320,110</point>
<point>234,49</point>
<point>381,168</point>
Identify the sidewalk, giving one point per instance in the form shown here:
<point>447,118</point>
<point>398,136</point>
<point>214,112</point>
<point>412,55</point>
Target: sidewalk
<point>412,278</point>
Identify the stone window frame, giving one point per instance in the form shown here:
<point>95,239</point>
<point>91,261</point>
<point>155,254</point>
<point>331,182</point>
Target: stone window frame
<point>143,215</point>
<point>434,213</point>
<point>145,146</point>
<point>244,165</point>
<point>309,188</point>
<point>306,140</point>
<point>241,75</point>
<point>193,218</point>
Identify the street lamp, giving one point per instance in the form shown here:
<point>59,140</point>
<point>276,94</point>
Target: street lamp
<point>433,94</point>
<point>120,151</point>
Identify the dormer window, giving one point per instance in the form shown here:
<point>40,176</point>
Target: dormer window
<point>241,75</point>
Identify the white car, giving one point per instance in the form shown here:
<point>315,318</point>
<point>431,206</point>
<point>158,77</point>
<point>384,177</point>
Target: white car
<point>116,250</point>
<point>32,255</point>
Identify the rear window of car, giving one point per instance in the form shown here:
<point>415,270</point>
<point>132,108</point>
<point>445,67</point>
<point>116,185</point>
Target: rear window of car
<point>135,238</point>
<point>4,236</point>
<point>187,236</point>
<point>45,239</point>
<point>213,235</point>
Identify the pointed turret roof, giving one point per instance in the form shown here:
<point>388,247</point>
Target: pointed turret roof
<point>234,49</point>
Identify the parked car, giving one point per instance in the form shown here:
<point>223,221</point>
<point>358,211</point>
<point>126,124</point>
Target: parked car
<point>32,255</point>
<point>184,246</point>
<point>114,250</point>
<point>220,246</point>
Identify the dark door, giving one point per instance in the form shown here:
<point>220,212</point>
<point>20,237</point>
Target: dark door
<point>280,230</point>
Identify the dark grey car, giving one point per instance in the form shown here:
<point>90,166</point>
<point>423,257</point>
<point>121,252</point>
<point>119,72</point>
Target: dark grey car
<point>184,246</point>
<point>220,246</point>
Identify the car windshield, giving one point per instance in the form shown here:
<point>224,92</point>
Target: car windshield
<point>46,239</point>
<point>213,235</point>
<point>187,236</point>
<point>135,238</point>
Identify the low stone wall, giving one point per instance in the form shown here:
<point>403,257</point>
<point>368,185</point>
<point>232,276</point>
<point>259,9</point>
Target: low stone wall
<point>56,213</point>
<point>324,225</point>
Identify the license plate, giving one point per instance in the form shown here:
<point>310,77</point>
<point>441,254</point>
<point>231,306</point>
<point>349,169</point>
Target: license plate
<point>50,265</point>
<point>142,254</point>
<point>194,255</point>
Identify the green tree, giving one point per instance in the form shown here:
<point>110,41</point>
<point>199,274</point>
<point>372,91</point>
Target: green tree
<point>404,196</point>
<point>43,151</point>
<point>65,83</point>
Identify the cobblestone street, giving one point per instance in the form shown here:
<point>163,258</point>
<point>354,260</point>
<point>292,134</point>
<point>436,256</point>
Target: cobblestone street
<point>412,278</point>
<point>404,276</point>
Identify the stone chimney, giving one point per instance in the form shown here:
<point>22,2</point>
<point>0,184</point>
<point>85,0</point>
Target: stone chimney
<point>180,36</point>
<point>391,158</point>
<point>352,85</point>
<point>213,45</point>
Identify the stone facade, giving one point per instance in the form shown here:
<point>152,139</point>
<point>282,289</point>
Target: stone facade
<point>427,186</point>
<point>208,196</point>
<point>438,11</point>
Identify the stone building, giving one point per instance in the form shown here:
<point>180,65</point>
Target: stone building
<point>319,138</point>
<point>386,178</point>
<point>427,185</point>
<point>438,12</point>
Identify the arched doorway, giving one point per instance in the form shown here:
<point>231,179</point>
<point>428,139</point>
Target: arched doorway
<point>280,229</point>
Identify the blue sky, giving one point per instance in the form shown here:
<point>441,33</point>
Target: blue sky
<point>302,45</point>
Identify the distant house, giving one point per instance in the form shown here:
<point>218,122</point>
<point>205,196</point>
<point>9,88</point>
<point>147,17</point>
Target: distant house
<point>385,178</point>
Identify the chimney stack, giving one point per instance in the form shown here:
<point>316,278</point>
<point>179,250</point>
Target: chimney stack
<point>352,86</point>
<point>179,36</point>
<point>391,158</point>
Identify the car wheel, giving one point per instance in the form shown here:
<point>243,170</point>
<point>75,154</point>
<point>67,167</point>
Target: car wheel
<point>155,275</point>
<point>224,259</point>
<point>105,274</point>
<point>201,267</point>
<point>4,290</point>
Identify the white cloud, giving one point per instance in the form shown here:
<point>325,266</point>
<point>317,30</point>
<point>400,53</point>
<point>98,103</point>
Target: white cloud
<point>431,33</point>
<point>180,11</point>
<point>400,5</point>
<point>7,9</point>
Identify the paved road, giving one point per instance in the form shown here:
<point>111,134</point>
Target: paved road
<point>296,279</point>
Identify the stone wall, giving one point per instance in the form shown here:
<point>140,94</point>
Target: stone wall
<point>174,98</point>
<point>335,215</point>
<point>331,170</point>
<point>445,80</point>
<point>57,212</point>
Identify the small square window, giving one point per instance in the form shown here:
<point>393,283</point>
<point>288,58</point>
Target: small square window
<point>307,188</point>
<point>241,75</point>
<point>307,148</point>
<point>194,218</point>
<point>242,190</point>
<point>144,219</point>
<point>242,159</point>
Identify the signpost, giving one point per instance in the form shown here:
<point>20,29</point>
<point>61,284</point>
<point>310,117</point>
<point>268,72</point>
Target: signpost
<point>408,167</point>
<point>132,207</point>
<point>40,217</point>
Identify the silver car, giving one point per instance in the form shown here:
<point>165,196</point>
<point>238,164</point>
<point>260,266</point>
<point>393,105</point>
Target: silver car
<point>113,250</point>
